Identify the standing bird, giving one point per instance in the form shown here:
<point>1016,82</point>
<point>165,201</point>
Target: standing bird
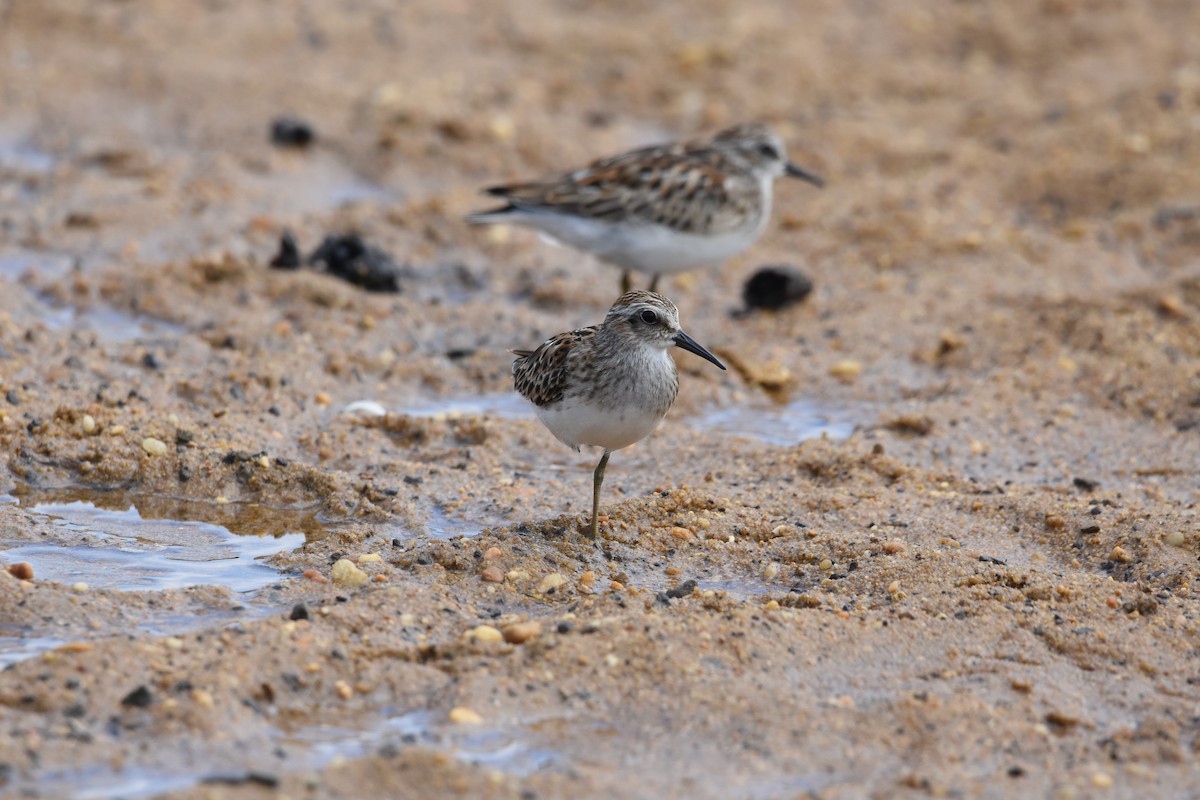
<point>661,209</point>
<point>607,385</point>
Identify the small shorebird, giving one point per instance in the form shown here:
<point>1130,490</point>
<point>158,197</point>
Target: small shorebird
<point>607,385</point>
<point>661,209</point>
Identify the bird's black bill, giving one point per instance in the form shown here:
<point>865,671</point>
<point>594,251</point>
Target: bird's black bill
<point>795,171</point>
<point>689,344</point>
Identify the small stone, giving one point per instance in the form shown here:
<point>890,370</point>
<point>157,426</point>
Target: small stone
<point>88,424</point>
<point>202,698</point>
<point>616,586</point>
<point>776,287</point>
<point>492,552</point>
<point>154,447</point>
<point>79,587</point>
<point>521,632</point>
<point>138,698</point>
<point>116,430</point>
<point>288,256</point>
<point>681,533</point>
<point>299,611</point>
<point>1175,539</point>
<point>1102,780</point>
<point>461,715</point>
<point>587,578</point>
<point>370,558</point>
<point>493,574</point>
<point>343,689</point>
<point>1055,522</point>
<point>485,634</point>
<point>22,570</point>
<point>825,565</point>
<point>346,573</point>
<point>323,399</point>
<point>847,370</point>
<point>894,587</point>
<point>291,132</point>
<point>379,578</point>
<point>893,546</point>
<point>173,643</point>
<point>551,582</point>
<point>771,571</point>
<point>315,575</point>
<point>1120,555</point>
<point>771,605</point>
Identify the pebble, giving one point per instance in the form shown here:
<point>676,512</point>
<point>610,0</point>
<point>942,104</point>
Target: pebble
<point>485,634</point>
<point>551,582</point>
<point>173,643</point>
<point>461,715</point>
<point>323,399</point>
<point>22,570</point>
<point>846,370</point>
<point>825,565</point>
<point>89,424</point>
<point>681,533</point>
<point>521,632</point>
<point>202,698</point>
<point>493,575</point>
<point>154,447</point>
<point>1120,555</point>
<point>315,575</point>
<point>893,546</point>
<point>492,552</point>
<point>776,287</point>
<point>116,430</point>
<point>771,571</point>
<point>79,587</point>
<point>343,690</point>
<point>894,587</point>
<point>1102,780</point>
<point>347,573</point>
<point>1174,538</point>
<point>616,586</point>
<point>588,578</point>
<point>370,558</point>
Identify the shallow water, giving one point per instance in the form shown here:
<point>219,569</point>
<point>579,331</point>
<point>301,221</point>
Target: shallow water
<point>125,551</point>
<point>779,425</point>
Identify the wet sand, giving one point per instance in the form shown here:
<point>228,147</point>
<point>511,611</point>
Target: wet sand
<point>934,534</point>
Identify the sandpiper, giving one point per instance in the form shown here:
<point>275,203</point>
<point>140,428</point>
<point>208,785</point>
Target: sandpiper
<point>661,209</point>
<point>607,385</point>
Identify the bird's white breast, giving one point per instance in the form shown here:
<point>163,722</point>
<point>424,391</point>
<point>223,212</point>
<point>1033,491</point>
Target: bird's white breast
<point>576,422</point>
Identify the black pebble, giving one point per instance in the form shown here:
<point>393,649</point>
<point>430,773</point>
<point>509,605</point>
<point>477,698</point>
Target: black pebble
<point>776,287</point>
<point>12,397</point>
<point>138,698</point>
<point>299,611</point>
<point>150,361</point>
<point>292,132</point>
<point>288,256</point>
<point>682,590</point>
<point>1086,484</point>
<point>350,258</point>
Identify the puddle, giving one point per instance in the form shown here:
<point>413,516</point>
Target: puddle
<point>505,406</point>
<point>15,265</point>
<point>310,748</point>
<point>442,526</point>
<point>19,648</point>
<point>779,425</point>
<point>122,550</point>
<point>499,750</point>
<point>24,157</point>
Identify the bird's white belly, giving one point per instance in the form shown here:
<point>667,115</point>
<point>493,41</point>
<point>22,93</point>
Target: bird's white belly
<point>653,249</point>
<point>612,429</point>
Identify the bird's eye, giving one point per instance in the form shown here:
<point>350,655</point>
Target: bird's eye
<point>649,317</point>
<point>768,151</point>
